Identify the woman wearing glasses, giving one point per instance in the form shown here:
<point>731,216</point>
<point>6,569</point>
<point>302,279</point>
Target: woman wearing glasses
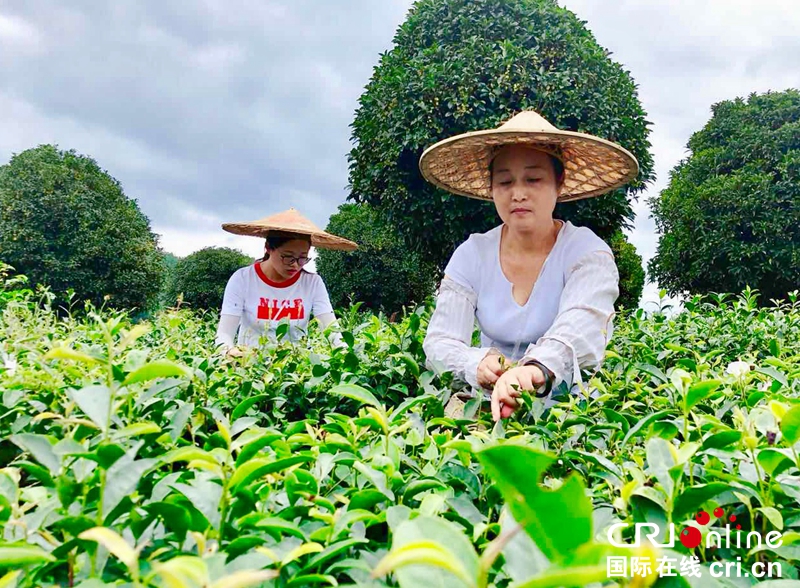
<point>277,289</point>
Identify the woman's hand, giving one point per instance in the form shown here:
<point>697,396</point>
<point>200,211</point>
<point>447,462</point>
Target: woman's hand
<point>489,370</point>
<point>234,352</point>
<point>504,395</point>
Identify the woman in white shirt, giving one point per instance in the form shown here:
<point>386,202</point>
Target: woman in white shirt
<point>276,289</point>
<point>541,289</point>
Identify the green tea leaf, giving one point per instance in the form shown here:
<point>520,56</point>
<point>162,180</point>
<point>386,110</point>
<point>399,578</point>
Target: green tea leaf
<point>95,402</point>
<point>246,404</point>
<point>643,424</point>
<point>701,391</point>
<point>790,425</point>
<point>424,557</point>
<point>558,521</point>
<point>115,544</point>
<point>258,468</point>
<point>773,373</point>
<point>182,571</point>
<point>246,578</point>
<point>357,393</point>
<point>123,478</point>
<point>204,496</point>
<point>692,498</point>
<point>160,368</point>
<point>660,461</point>
<point>69,354</point>
<point>722,439</point>
<point>41,448</point>
<point>22,554</point>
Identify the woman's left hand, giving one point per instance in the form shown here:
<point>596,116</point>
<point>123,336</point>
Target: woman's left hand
<point>504,395</point>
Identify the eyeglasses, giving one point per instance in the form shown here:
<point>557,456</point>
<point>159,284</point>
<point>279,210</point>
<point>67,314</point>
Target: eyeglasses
<point>290,259</point>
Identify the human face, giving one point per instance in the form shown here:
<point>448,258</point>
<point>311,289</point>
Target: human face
<point>524,187</point>
<point>289,258</point>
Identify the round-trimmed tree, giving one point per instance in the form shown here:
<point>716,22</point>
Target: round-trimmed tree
<point>730,216</point>
<point>382,273</point>
<point>463,65</point>
<point>67,224</point>
<point>200,277</point>
<point>631,271</point>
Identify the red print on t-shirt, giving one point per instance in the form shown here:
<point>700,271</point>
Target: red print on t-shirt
<point>275,310</point>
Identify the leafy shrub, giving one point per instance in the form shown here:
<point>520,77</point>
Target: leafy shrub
<point>200,278</point>
<point>463,65</point>
<point>631,271</point>
<point>730,216</point>
<point>67,224</point>
<point>382,273</point>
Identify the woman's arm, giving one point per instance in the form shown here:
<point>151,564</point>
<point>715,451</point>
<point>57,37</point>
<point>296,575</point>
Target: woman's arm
<point>578,337</point>
<point>230,316</point>
<point>226,331</point>
<point>448,342</point>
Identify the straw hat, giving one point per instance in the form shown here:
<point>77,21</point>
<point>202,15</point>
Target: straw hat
<point>290,221</point>
<point>592,165</point>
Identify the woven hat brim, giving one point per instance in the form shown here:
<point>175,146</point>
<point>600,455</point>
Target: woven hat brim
<point>319,239</point>
<point>593,166</point>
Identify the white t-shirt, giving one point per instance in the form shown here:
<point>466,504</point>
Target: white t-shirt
<point>262,304</point>
<point>504,324</point>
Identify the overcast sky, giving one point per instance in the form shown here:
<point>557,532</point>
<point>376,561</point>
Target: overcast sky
<point>227,110</point>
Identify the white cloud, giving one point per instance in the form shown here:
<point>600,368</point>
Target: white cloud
<point>226,110</point>
<point>685,56</point>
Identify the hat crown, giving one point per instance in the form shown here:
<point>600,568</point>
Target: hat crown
<point>289,219</point>
<point>528,120</point>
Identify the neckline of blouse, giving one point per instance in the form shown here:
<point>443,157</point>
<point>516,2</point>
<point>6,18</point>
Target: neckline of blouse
<point>517,305</point>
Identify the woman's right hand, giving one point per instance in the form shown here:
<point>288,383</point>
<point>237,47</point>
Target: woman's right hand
<point>490,369</point>
<point>235,352</point>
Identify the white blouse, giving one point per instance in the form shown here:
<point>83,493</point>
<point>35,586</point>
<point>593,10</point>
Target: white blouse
<point>565,324</point>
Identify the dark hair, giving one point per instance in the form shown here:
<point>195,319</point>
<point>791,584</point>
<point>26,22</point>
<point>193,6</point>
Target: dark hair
<point>558,168</point>
<point>275,240</point>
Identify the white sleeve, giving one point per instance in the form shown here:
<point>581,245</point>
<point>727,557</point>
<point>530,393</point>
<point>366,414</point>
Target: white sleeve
<point>320,302</point>
<point>448,341</point>
<point>233,299</point>
<point>326,320</point>
<point>463,266</point>
<point>578,337</point>
<point>226,330</point>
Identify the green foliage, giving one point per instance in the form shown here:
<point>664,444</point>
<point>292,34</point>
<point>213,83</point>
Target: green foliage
<point>631,271</point>
<point>170,260</point>
<point>730,216</point>
<point>201,277</point>
<point>382,273</point>
<point>67,224</point>
<point>301,465</point>
<point>463,65</point>
<point>307,465</point>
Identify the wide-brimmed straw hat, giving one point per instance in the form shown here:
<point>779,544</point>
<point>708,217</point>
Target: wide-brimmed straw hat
<point>592,165</point>
<point>291,222</point>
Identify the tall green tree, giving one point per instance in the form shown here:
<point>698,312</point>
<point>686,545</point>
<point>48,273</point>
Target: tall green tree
<point>382,273</point>
<point>730,216</point>
<point>631,271</point>
<point>66,223</point>
<point>200,277</point>
<point>463,65</point>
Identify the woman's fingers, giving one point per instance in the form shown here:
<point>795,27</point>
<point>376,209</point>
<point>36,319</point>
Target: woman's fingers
<point>506,411</point>
<point>489,371</point>
<point>509,386</point>
<point>504,397</point>
<point>495,366</point>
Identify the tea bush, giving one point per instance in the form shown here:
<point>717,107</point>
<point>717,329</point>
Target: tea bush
<point>132,455</point>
